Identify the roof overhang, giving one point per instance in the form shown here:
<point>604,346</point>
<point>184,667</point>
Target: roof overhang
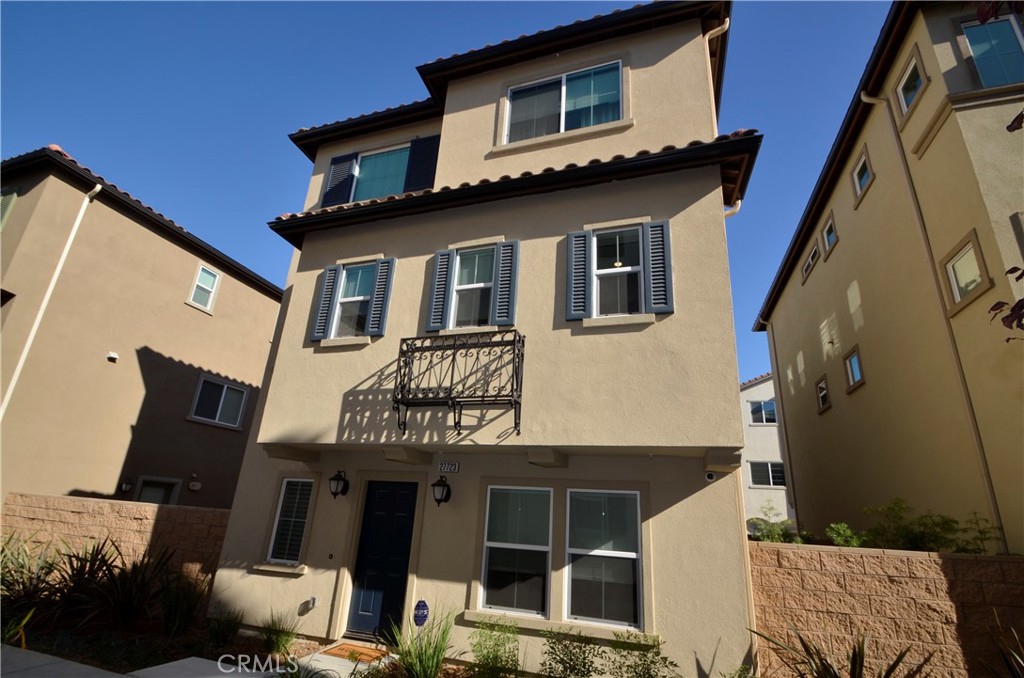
<point>735,155</point>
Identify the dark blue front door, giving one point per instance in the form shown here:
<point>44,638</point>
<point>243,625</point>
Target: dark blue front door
<point>382,562</point>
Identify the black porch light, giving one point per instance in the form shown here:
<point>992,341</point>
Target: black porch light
<point>442,490</point>
<point>339,484</point>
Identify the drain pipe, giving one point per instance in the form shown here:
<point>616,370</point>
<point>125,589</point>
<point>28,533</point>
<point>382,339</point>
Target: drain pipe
<point>958,364</point>
<point>733,210</point>
<point>708,37</point>
<point>46,299</point>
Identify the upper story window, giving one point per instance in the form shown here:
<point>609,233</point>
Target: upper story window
<point>474,287</point>
<point>812,259</point>
<point>966,276</point>
<point>217,401</point>
<point>619,271</point>
<point>829,235</point>
<point>821,388</point>
<point>854,371</point>
<point>205,288</point>
<point>910,86</point>
<point>571,101</point>
<point>863,176</point>
<point>381,172</point>
<point>762,411</point>
<point>998,50</point>
<point>353,300</point>
<point>767,474</point>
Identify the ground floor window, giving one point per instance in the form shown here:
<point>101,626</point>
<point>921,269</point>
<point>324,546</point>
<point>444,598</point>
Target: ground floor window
<point>517,549</point>
<point>290,522</point>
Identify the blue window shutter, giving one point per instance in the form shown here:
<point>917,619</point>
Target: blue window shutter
<point>377,318</point>
<point>577,276</point>
<point>422,163</point>
<point>658,267</point>
<point>339,180</point>
<point>325,303</point>
<point>441,290</point>
<point>506,276</point>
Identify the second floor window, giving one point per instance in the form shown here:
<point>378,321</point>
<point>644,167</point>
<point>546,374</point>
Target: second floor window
<point>572,101</point>
<point>218,401</point>
<point>474,287</point>
<point>762,411</point>
<point>382,172</point>
<point>998,50</point>
<point>353,300</point>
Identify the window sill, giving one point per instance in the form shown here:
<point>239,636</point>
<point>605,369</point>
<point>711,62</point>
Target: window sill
<point>207,311</point>
<point>533,623</point>
<point>561,138</point>
<point>478,329</point>
<point>853,387</point>
<point>212,422</point>
<point>766,487</point>
<point>617,320</point>
<point>280,568</point>
<point>344,341</point>
<point>763,424</point>
<point>859,197</point>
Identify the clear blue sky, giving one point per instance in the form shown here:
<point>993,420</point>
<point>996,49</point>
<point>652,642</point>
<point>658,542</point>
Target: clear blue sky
<point>187,105</point>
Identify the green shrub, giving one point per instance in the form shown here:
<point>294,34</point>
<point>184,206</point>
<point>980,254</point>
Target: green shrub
<point>896,529</point>
<point>772,527</point>
<point>841,534</point>
<point>277,632</point>
<point>570,655</point>
<point>26,582</point>
<point>495,647</point>
<point>742,671</point>
<point>224,625</point>
<point>129,593</point>
<point>181,599</point>
<point>421,652</point>
<point>635,655</point>
<point>810,661</point>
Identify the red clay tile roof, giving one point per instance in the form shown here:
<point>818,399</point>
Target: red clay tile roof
<point>755,380</point>
<point>63,159</point>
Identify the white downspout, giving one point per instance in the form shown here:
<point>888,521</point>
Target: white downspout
<point>717,30</point>
<point>733,210</point>
<point>46,299</point>
<point>708,37</point>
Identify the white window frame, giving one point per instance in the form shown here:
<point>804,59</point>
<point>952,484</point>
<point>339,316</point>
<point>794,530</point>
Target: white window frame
<point>771,479</point>
<point>226,385</point>
<point>546,614</point>
<point>1014,25</point>
<point>456,287</point>
<point>812,259</point>
<point>821,388</point>
<point>954,286</point>
<point>596,274</point>
<point>862,162</point>
<point>213,291</point>
<point>333,334</point>
<point>754,422</point>
<point>852,384</point>
<point>359,161</point>
<point>830,223</point>
<point>561,106</point>
<point>911,65</point>
<point>277,518</point>
<point>624,555</point>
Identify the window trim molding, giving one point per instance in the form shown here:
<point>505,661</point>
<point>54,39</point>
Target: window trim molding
<point>851,385</point>
<point>226,383</point>
<point>771,485</point>
<point>175,490</point>
<point>268,550</point>
<point>817,394</point>
<point>902,111</point>
<point>596,274</point>
<point>863,160</point>
<point>954,306</point>
<point>450,321</point>
<point>830,220</point>
<point>214,293</point>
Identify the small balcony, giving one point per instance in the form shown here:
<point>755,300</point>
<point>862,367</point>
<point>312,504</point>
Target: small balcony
<point>481,370</point>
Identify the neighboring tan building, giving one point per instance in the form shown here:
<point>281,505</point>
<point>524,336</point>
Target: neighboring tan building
<point>132,350</point>
<point>891,379</point>
<point>764,474</point>
<point>548,228</point>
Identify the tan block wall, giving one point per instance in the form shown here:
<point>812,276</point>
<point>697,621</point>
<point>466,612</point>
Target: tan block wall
<point>931,602</point>
<point>194,534</point>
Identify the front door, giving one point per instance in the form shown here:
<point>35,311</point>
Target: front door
<point>382,561</point>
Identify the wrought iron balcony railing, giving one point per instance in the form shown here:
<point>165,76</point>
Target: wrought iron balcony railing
<point>482,369</point>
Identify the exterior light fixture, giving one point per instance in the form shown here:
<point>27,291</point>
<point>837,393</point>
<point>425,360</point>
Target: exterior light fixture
<point>126,485</point>
<point>339,484</point>
<point>442,490</point>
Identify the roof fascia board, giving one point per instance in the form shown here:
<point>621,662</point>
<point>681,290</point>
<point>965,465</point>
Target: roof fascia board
<point>309,140</point>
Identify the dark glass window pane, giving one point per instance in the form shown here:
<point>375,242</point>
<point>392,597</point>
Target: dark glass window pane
<point>618,249</point>
<point>519,516</point>
<point>231,409</point>
<point>910,86</point>
<point>604,521</point>
<point>291,521</point>
<point>535,111</point>
<point>756,412</point>
<point>759,474</point>
<point>997,52</point>
<point>604,588</point>
<point>476,266</point>
<point>472,307</point>
<point>863,176</point>
<point>208,401</point>
<point>516,579</point>
<point>619,294</point>
<point>592,97</point>
<point>769,411</point>
<point>778,475</point>
<point>359,281</point>
<point>352,318</point>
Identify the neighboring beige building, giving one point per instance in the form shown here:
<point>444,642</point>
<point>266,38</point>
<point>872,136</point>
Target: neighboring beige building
<point>891,379</point>
<point>132,351</point>
<point>515,295</point>
<point>764,474</point>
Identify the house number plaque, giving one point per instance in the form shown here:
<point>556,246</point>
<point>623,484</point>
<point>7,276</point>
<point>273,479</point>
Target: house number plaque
<point>448,467</point>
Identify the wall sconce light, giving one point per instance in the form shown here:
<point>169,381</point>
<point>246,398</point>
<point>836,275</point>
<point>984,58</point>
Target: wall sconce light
<point>127,485</point>
<point>442,490</point>
<point>339,484</point>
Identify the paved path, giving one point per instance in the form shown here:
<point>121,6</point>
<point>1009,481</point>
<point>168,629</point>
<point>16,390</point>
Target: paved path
<point>28,664</point>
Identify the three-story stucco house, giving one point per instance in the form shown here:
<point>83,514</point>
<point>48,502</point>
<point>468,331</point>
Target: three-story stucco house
<point>764,472</point>
<point>891,380</point>
<point>505,378</point>
<point>132,350</point>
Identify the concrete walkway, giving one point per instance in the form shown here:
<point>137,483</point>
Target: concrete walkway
<point>28,664</point>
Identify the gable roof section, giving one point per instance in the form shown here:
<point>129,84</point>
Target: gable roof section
<point>437,74</point>
<point>894,30</point>
<point>54,159</point>
<point>734,153</point>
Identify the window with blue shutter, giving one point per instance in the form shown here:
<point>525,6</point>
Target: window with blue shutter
<point>380,173</point>
<point>353,300</point>
<point>340,178</point>
<point>619,271</point>
<point>474,287</point>
<point>290,521</point>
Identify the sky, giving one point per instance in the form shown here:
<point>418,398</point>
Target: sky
<point>188,105</point>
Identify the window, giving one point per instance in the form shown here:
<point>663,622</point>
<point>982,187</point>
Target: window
<point>812,259</point>
<point>862,175</point>
<point>517,549</point>
<point>6,203</point>
<point>910,86</point>
<point>767,474</point>
<point>762,411</point>
<point>822,390</point>
<point>353,300</point>
<point>998,50</point>
<point>854,370</point>
<point>829,235</point>
<point>619,271</point>
<point>158,490</point>
<point>290,521</point>
<point>966,276</point>
<point>474,287</point>
<point>205,288</point>
<point>219,402</point>
<point>382,172</point>
<point>572,101</point>
<point>604,556</point>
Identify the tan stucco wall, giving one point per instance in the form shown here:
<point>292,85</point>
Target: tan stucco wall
<point>906,432</point>
<point>673,380</point>
<point>89,422</point>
